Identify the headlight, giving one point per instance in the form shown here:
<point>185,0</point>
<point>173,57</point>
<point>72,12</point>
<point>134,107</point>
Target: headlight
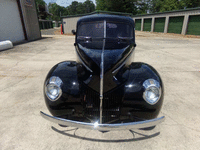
<point>53,88</point>
<point>152,91</point>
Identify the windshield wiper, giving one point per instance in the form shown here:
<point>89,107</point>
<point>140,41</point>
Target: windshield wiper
<point>85,38</point>
<point>124,39</point>
<point>89,38</point>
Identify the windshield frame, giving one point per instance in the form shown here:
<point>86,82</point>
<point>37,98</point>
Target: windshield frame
<point>107,37</point>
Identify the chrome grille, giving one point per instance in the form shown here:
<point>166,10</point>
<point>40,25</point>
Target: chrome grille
<point>111,104</point>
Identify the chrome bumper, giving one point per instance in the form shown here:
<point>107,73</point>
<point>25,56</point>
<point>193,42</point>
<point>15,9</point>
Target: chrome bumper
<point>104,127</point>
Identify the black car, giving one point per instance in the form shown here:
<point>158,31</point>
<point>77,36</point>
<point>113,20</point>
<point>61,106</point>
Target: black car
<point>104,89</point>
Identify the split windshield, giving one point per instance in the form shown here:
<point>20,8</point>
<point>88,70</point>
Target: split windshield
<point>90,35</point>
<point>113,30</point>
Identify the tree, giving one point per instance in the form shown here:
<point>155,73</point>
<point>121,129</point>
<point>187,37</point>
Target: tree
<point>57,10</point>
<point>40,2</point>
<point>143,6</point>
<point>127,6</point>
<point>155,5</point>
<point>81,8</point>
<point>101,5</point>
<point>40,6</point>
<point>169,5</point>
<point>190,3</point>
<point>89,6</point>
<point>73,8</point>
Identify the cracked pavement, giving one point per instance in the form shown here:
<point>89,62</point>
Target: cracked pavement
<point>23,70</point>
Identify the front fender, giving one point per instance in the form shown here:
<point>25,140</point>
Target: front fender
<point>71,96</point>
<point>133,91</point>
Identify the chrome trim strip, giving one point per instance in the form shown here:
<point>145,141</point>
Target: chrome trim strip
<point>104,127</point>
<point>104,28</point>
<point>102,73</point>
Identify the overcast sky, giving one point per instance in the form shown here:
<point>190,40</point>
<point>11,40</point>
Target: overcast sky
<point>64,3</point>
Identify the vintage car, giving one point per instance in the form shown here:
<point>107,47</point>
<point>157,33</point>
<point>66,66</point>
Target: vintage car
<point>104,89</point>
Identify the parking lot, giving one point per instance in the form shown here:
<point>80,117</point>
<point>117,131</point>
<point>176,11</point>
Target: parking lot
<point>23,70</point>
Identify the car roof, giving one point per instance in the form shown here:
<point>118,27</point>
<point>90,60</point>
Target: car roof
<point>101,17</point>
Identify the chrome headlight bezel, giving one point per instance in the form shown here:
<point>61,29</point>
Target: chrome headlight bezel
<point>57,83</point>
<point>153,85</point>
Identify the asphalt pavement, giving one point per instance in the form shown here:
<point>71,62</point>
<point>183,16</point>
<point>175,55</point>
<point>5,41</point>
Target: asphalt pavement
<point>23,70</point>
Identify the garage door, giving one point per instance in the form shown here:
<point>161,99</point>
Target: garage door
<point>10,21</point>
<point>159,25</point>
<point>194,25</point>
<point>147,25</point>
<point>138,24</point>
<point>175,24</point>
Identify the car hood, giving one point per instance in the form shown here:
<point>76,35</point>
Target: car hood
<point>112,61</point>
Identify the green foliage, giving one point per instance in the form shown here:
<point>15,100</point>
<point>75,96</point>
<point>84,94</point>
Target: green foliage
<point>89,6</point>
<point>73,8</point>
<point>145,6</point>
<point>57,10</point>
<point>40,2</point>
<point>101,5</point>
<point>127,6</point>
<point>81,8</point>
<point>191,3</point>
<point>170,5</point>
<point>156,5</point>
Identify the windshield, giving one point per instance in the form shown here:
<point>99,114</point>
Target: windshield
<point>115,30</point>
<point>91,30</point>
<point>118,35</point>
